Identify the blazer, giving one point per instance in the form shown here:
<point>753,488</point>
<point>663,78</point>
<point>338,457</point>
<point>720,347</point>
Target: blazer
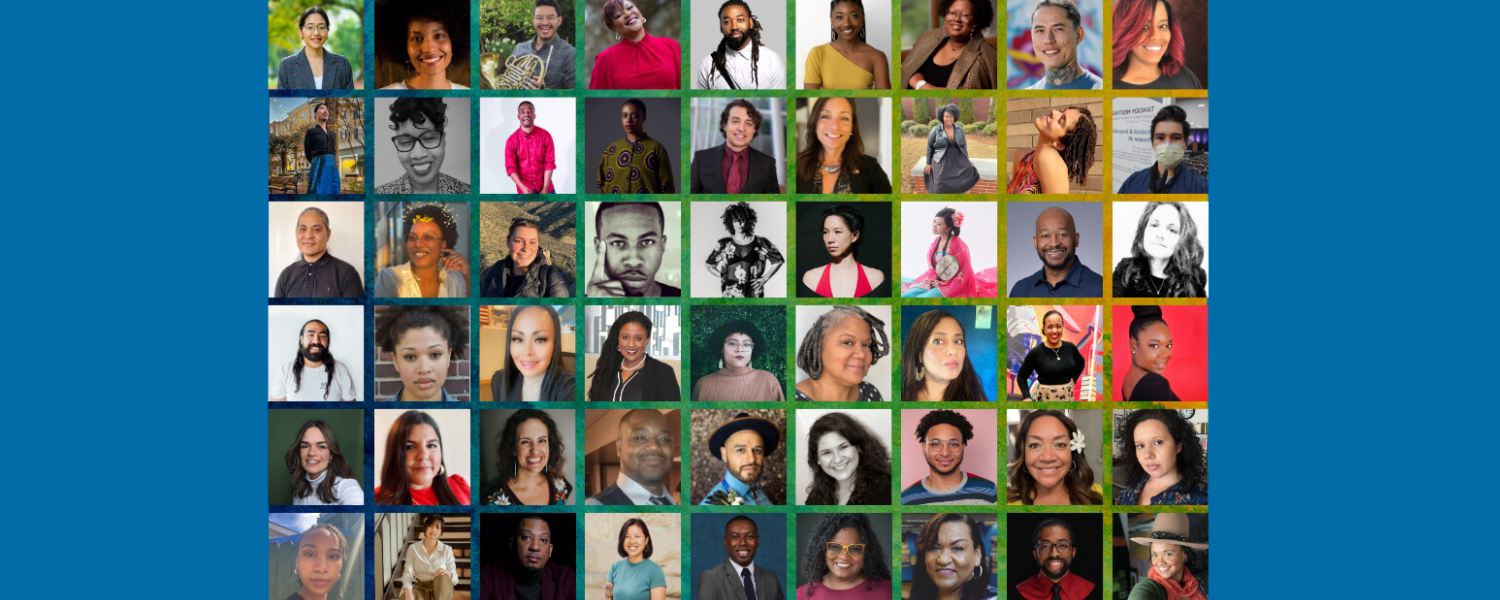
<point>934,153</point>
<point>296,74</point>
<point>977,68</point>
<point>708,179</point>
<point>497,582</point>
<point>724,583</point>
<point>871,179</point>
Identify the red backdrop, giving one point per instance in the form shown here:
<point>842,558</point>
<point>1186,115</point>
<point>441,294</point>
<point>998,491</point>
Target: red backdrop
<point>1188,370</point>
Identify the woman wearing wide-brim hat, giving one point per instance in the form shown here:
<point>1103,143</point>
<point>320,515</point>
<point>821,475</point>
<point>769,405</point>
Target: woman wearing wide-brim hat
<point>1175,572</point>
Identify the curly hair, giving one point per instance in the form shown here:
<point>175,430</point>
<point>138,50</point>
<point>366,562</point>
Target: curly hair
<point>944,416</point>
<point>1192,463</point>
<point>451,322</point>
<point>437,214</point>
<point>608,363</point>
<point>750,112</point>
<point>419,111</point>
<point>948,108</point>
<point>834,4</point>
<point>394,488</point>
<point>984,14</point>
<point>646,531</point>
<point>853,219</point>
<point>814,561</point>
<point>739,212</point>
<point>1137,16</point>
<point>966,388</point>
<point>810,354</point>
<point>874,458</point>
<point>810,159</point>
<point>507,450</point>
<point>510,374</point>
<point>1185,277</point>
<point>337,465</point>
<point>329,364</point>
<point>717,56</point>
<point>454,20</point>
<point>722,333</point>
<point>1079,480</point>
<point>1078,146</point>
<point>977,587</point>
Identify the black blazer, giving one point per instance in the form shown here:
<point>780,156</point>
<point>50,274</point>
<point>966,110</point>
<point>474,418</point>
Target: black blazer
<point>295,73</point>
<point>871,179</point>
<point>707,179</point>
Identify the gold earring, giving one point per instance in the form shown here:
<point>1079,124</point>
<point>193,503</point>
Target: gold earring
<point>920,374</point>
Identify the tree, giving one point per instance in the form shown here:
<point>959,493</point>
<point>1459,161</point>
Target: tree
<point>994,110</point>
<point>921,113</point>
<point>965,110</point>
<point>281,145</point>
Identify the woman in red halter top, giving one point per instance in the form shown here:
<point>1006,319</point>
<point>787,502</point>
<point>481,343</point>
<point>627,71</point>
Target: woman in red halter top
<point>842,278</point>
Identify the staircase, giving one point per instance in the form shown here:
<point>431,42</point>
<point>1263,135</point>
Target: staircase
<point>394,532</point>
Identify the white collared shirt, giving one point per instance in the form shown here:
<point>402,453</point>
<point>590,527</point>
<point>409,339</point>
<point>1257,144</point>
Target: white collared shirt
<point>420,566</point>
<point>637,493</point>
<point>737,62</point>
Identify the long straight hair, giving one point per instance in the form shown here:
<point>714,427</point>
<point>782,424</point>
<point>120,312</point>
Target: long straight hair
<point>394,488</point>
<point>966,388</point>
<point>810,159</point>
<point>511,375</point>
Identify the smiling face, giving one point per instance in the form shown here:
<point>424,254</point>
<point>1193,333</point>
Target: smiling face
<point>312,235</point>
<point>1155,449</point>
<point>634,245</point>
<point>843,565</point>
<point>627,21</point>
<point>314,31</point>
<point>944,449</point>
<point>741,541</point>
<point>533,543</point>
<point>1049,456</point>
<point>1054,38</point>
<point>632,342</point>
<point>1052,329</point>
<point>526,115</point>
<point>314,341</point>
<point>959,22</point>
<point>319,561</point>
<point>739,129</point>
<point>738,349</point>
<point>835,124</point>
<point>314,452</point>
<point>735,24</point>
<point>847,354</point>
<point>847,20</point>
<point>1054,561</point>
<point>951,563</point>
<point>1057,123</point>
<point>1155,36</point>
<point>838,238</point>
<point>837,457</point>
<point>1151,348</point>
<point>422,358</point>
<point>428,47</point>
<point>533,445</point>
<point>943,357</point>
<point>1056,239</point>
<point>421,163</point>
<point>1168,559</point>
<point>545,20</point>
<point>1163,230</point>
<point>524,245</point>
<point>425,244</point>
<point>645,447</point>
<point>635,543</point>
<point>744,454</point>
<point>532,342</point>
<point>424,456</point>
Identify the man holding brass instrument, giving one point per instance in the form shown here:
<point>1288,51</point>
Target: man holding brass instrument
<point>555,53</point>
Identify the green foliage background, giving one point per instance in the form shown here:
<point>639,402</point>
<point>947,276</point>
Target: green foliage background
<point>770,355</point>
<point>511,20</point>
<point>347,37</point>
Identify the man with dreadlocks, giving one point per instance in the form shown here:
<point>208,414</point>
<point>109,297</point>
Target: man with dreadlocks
<point>326,379</point>
<point>741,61</point>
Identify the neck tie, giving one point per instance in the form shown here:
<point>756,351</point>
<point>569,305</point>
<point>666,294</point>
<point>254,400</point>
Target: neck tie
<point>749,584</point>
<point>735,182</point>
<point>1056,592</point>
<point>661,500</point>
<point>753,495</point>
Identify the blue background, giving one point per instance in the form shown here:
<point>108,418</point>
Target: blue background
<point>708,546</point>
<point>1354,148</point>
<point>979,342</point>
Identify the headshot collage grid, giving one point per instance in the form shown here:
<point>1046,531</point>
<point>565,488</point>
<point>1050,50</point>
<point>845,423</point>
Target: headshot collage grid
<point>479,179</point>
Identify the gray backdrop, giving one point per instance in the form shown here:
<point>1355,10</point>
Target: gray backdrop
<point>663,19</point>
<point>807,522</point>
<point>456,138</point>
<point>706,34</point>
<point>602,122</point>
<point>1020,225</point>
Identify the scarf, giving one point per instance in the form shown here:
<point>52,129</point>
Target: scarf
<point>1187,590</point>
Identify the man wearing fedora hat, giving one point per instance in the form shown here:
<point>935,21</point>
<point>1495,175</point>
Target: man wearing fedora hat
<point>1172,561</point>
<point>1054,546</point>
<point>742,443</point>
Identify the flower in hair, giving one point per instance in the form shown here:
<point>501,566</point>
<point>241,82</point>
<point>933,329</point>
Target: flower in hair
<point>1076,444</point>
<point>421,219</point>
<point>958,218</point>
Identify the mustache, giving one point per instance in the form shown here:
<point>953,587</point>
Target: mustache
<point>323,354</point>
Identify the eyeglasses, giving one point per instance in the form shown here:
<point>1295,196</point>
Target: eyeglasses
<point>430,140</point>
<point>961,18</point>
<point>315,28</point>
<point>546,18</point>
<point>936,445</point>
<point>1046,547</point>
<point>855,550</point>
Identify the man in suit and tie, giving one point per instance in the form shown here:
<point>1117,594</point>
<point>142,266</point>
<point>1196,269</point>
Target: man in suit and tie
<point>646,448</point>
<point>738,577</point>
<point>735,167</point>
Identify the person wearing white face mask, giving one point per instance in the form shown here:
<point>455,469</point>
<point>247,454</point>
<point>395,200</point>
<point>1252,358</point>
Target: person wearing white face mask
<point>1169,134</point>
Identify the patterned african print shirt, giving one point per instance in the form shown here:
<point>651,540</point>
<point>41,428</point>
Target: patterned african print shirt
<point>639,168</point>
<point>446,185</point>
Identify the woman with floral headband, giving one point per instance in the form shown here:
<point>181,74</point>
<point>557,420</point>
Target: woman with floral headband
<point>949,274</point>
<point>435,269</point>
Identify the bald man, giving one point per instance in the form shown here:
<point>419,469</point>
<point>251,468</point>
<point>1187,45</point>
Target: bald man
<point>1062,274</point>
<point>645,445</point>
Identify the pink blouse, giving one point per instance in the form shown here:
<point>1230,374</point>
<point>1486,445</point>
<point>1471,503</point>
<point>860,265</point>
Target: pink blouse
<point>654,63</point>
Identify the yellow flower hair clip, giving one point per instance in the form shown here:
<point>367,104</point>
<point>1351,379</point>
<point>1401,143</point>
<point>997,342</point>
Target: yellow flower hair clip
<point>421,219</point>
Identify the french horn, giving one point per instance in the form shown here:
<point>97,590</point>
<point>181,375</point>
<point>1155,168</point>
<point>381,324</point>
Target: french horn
<point>518,70</point>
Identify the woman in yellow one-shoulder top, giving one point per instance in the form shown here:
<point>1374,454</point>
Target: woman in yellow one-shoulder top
<point>846,63</point>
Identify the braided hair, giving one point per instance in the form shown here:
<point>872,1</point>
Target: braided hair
<point>717,56</point>
<point>1078,146</point>
<point>328,363</point>
<point>609,355</point>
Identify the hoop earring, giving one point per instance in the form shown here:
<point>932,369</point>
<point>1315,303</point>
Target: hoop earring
<point>1074,466</point>
<point>861,33</point>
<point>920,374</point>
<point>976,573</point>
<point>833,35</point>
<point>617,36</point>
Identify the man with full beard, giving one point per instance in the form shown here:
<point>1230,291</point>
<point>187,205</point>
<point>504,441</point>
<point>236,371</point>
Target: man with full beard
<point>1053,545</point>
<point>741,61</point>
<point>943,435</point>
<point>1062,274</point>
<point>742,443</point>
<point>314,376</point>
<point>532,576</point>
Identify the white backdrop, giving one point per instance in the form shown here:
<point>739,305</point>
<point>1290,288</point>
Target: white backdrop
<point>880,373</point>
<point>497,121</point>
<point>705,34</point>
<point>346,223</point>
<point>1132,137</point>
<point>878,420</point>
<point>670,272</point>
<point>346,338</point>
<point>708,227</point>
<point>814,29</point>
<point>1127,214</point>
<point>979,232</point>
<point>453,427</point>
<point>455,139</point>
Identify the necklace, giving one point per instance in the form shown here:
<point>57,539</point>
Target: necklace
<point>1055,351</point>
<point>1157,289</point>
<point>833,169</point>
<point>636,368</point>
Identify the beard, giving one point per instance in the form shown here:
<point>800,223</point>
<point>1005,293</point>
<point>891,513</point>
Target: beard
<point>533,572</point>
<point>1066,566</point>
<point>1064,262</point>
<point>730,42</point>
<point>322,356</point>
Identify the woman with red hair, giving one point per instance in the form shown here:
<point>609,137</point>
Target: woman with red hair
<point>1148,48</point>
<point>639,61</point>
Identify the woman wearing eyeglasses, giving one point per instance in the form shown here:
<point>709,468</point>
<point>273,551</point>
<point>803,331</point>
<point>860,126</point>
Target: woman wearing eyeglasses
<point>435,269</point>
<point>955,57</point>
<point>314,67</point>
<point>420,142</point>
<point>844,561</point>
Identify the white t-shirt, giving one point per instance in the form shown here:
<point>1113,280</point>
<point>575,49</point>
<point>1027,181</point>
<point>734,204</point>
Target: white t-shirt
<point>313,382</point>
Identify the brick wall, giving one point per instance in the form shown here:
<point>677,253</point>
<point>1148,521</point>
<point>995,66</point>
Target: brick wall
<point>1020,135</point>
<point>388,381</point>
<point>987,177</point>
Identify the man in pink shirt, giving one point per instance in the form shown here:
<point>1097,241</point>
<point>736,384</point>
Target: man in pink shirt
<point>529,154</point>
